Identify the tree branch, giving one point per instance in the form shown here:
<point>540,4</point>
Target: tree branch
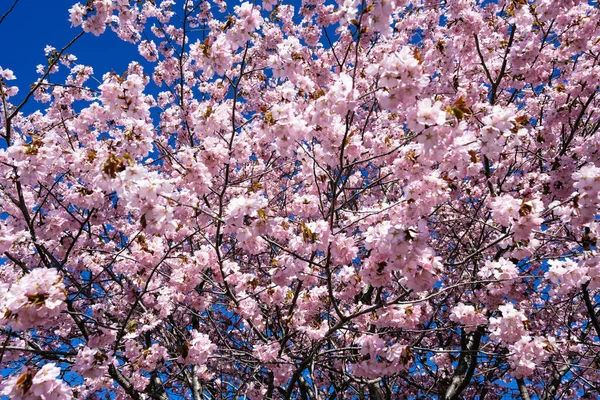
<point>9,11</point>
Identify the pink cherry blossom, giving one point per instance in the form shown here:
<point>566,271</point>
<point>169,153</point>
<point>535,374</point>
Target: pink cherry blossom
<point>35,299</point>
<point>430,113</point>
<point>510,325</point>
<point>38,385</point>
<point>468,316</point>
<point>279,200</point>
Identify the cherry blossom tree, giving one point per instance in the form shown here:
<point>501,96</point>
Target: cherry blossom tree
<point>358,199</point>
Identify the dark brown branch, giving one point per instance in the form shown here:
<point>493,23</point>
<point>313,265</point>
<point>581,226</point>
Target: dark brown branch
<point>123,382</point>
<point>9,11</point>
<point>590,308</point>
<point>467,363</point>
<point>523,389</point>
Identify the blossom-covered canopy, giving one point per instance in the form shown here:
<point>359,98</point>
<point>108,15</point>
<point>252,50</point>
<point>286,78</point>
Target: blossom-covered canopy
<point>358,199</point>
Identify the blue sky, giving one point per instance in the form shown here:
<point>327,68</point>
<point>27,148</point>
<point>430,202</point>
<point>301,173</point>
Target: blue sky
<point>33,24</point>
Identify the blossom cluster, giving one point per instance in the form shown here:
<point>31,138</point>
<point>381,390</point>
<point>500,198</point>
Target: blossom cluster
<point>37,385</point>
<point>34,300</point>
